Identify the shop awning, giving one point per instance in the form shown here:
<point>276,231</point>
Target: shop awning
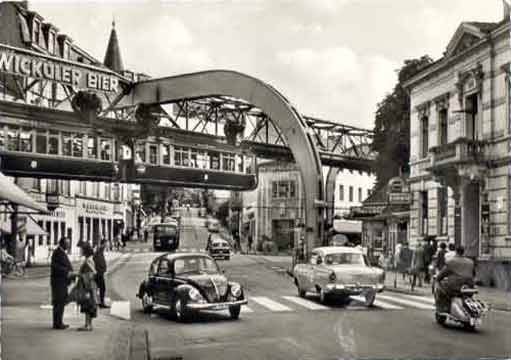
<point>32,228</point>
<point>13,194</point>
<point>347,227</point>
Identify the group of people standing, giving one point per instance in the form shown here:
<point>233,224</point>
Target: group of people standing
<point>417,262</point>
<point>90,278</point>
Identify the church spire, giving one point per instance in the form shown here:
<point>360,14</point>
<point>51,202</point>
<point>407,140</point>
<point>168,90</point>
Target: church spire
<point>113,58</point>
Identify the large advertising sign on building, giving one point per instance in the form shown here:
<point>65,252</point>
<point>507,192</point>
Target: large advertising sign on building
<point>27,63</point>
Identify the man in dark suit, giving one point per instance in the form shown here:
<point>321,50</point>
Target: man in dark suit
<point>61,274</point>
<point>100,263</point>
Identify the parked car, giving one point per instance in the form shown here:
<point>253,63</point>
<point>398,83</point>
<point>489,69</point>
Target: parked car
<point>338,272</point>
<point>213,225</point>
<point>219,249</point>
<point>187,282</point>
<point>164,236</point>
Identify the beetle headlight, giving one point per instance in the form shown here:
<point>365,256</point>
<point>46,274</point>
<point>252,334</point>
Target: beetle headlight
<point>194,294</point>
<point>235,290</point>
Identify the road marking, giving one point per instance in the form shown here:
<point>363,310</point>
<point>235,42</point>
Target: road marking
<point>429,300</point>
<point>245,309</point>
<point>305,303</point>
<point>407,302</point>
<point>377,303</point>
<point>270,304</point>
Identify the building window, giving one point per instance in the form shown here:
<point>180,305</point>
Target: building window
<point>424,136</point>
<point>165,149</point>
<point>67,144</point>
<point>52,186</point>
<point>285,189</point>
<point>12,139</point>
<point>53,143</point>
<point>214,161</point>
<point>351,194</point>
<point>359,194</point>
<point>92,148</point>
<point>36,32</point>
<point>106,149</point>
<point>443,201</point>
<point>153,154</point>
<point>48,231</point>
<point>443,126</point>
<point>140,153</point>
<point>423,212</point>
<point>228,162</point>
<point>51,42</point>
<point>108,192</point>
<point>83,188</point>
<point>341,192</point>
<point>181,156</point>
<point>41,146</point>
<point>77,146</point>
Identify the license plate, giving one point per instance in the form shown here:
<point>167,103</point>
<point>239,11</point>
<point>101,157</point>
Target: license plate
<point>220,307</point>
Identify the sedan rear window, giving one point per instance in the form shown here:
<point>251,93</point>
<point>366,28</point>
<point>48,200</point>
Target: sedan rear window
<point>345,259</point>
<point>165,229</point>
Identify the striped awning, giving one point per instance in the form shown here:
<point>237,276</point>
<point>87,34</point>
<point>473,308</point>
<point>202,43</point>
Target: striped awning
<point>15,195</point>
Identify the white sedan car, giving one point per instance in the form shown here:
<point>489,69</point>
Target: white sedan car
<point>339,272</point>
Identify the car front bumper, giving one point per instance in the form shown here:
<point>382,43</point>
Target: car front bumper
<point>351,289</point>
<point>216,306</point>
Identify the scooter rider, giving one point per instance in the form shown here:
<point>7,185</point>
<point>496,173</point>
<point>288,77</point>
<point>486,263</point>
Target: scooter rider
<point>458,271</point>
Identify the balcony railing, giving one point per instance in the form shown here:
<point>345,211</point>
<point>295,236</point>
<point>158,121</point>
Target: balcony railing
<point>460,151</point>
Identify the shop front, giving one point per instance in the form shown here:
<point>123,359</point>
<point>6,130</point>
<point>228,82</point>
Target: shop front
<point>97,220</point>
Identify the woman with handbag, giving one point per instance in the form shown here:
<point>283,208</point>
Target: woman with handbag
<point>88,301</point>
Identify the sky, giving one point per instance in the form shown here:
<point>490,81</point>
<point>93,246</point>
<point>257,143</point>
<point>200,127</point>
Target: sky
<point>333,59</point>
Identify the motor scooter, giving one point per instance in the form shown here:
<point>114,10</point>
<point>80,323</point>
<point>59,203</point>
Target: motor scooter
<point>464,309</point>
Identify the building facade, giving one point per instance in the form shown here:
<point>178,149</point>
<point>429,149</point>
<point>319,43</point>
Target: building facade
<point>82,211</point>
<point>351,189</point>
<point>459,146</point>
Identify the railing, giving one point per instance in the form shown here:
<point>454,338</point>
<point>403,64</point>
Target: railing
<point>462,150</point>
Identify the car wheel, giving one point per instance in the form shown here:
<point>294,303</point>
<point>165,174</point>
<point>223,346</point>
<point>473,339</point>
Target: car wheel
<point>235,311</point>
<point>147,302</point>
<point>440,319</point>
<point>323,297</point>
<point>180,310</point>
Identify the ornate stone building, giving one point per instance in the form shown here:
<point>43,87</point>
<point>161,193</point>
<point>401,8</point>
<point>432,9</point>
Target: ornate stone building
<point>460,156</point>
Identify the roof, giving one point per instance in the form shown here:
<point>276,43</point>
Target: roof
<point>184,253</point>
<point>484,26</point>
<point>379,195</point>
<point>337,249</point>
<point>11,193</point>
<point>113,58</point>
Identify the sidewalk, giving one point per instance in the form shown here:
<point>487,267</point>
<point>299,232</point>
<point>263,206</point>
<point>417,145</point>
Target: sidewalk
<point>27,332</point>
<point>42,269</point>
<point>496,298</point>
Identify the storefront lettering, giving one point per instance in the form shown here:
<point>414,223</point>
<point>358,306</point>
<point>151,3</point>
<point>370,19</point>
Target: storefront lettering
<point>54,70</point>
<point>95,208</point>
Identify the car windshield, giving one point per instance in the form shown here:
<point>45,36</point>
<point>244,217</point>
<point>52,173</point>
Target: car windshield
<point>199,265</point>
<point>165,229</point>
<point>345,259</point>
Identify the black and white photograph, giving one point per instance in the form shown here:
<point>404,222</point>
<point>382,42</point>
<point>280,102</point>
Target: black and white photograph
<point>255,179</point>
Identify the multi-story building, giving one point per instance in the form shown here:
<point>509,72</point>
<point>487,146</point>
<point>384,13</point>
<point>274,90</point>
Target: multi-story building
<point>459,146</point>
<point>84,211</point>
<point>274,211</point>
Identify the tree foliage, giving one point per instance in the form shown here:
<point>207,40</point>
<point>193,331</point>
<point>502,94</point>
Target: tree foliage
<point>392,125</point>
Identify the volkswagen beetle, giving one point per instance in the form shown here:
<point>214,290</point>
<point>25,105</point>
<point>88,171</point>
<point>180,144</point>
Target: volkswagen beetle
<point>339,272</point>
<point>187,282</point>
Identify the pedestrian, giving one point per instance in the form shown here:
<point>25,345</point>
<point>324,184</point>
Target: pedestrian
<point>61,274</point>
<point>249,242</point>
<point>417,265</point>
<point>451,252</point>
<point>428,258</point>
<point>397,253</point>
<point>237,240</point>
<point>208,243</point>
<point>87,275</point>
<point>117,241</point>
<point>100,264</point>
<point>124,239</point>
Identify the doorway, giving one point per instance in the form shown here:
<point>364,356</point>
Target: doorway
<point>283,233</point>
<point>470,219</point>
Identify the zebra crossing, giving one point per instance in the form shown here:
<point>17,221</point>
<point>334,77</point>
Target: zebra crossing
<point>286,304</point>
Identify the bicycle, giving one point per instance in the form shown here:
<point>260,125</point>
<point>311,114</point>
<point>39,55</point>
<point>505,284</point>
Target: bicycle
<point>16,268</point>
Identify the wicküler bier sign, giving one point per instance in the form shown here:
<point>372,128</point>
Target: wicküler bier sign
<point>29,64</point>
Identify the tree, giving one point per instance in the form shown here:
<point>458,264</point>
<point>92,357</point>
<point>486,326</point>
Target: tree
<point>392,126</point>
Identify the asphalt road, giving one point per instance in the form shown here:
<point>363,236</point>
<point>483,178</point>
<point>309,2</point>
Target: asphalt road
<point>276,324</point>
